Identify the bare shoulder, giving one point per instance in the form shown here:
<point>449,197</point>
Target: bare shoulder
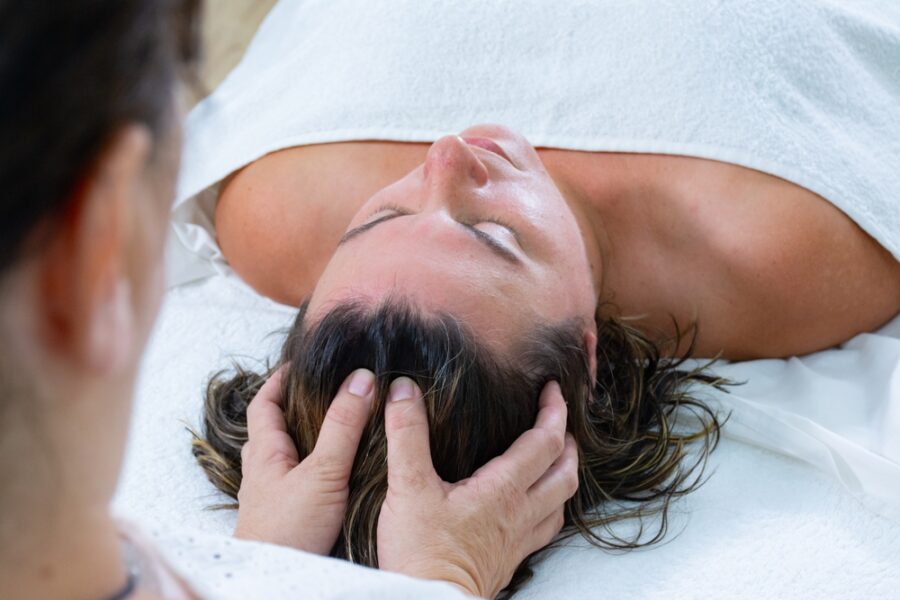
<point>264,225</point>
<point>764,267</point>
<point>804,276</point>
<point>279,219</point>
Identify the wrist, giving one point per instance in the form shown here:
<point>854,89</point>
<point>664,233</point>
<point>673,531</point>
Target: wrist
<point>456,576</point>
<point>241,533</point>
<point>461,588</point>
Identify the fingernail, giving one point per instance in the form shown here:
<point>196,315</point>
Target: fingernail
<point>402,388</point>
<point>361,382</point>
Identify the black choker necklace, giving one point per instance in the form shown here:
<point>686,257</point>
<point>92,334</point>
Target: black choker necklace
<point>128,589</point>
<point>128,554</point>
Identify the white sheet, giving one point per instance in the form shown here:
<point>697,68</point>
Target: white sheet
<point>837,409</point>
<point>764,525</point>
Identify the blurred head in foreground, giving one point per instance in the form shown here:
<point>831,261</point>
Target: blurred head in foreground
<point>89,153</point>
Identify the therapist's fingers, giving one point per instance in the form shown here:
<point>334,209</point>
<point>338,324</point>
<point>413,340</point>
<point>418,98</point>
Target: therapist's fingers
<point>268,443</point>
<point>301,505</point>
<point>343,426</point>
<point>560,482</point>
<point>535,450</point>
<point>546,530</point>
<point>408,449</point>
<point>476,531</point>
<point>264,412</point>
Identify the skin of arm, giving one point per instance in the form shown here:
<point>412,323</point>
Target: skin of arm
<point>799,276</point>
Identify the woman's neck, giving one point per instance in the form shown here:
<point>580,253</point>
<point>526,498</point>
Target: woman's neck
<point>63,552</point>
<point>590,194</point>
<point>635,227</point>
<point>57,538</point>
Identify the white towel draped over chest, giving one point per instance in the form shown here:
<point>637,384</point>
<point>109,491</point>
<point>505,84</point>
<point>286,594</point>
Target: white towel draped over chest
<point>805,90</point>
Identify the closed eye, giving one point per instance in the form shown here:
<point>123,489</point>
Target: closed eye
<point>488,241</point>
<point>367,226</point>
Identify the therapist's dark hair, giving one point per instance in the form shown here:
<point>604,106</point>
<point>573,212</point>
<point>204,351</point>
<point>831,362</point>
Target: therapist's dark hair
<point>642,436</point>
<point>72,73</point>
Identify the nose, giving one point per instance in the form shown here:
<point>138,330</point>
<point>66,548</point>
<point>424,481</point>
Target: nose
<point>450,165</point>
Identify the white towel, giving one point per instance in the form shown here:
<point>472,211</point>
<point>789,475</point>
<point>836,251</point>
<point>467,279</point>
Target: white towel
<point>808,91</point>
<point>838,409</point>
<point>763,526</point>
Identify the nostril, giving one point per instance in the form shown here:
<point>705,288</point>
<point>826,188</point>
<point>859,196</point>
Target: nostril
<point>489,145</point>
<point>451,160</point>
<point>478,171</point>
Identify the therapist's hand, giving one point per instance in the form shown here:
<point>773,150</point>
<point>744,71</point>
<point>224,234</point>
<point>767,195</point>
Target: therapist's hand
<point>300,504</point>
<point>473,533</point>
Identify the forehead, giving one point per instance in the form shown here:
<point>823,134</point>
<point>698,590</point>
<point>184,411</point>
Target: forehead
<point>492,299</point>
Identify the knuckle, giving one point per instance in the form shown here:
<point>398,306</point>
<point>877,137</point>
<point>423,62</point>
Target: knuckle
<point>327,469</point>
<point>406,480</point>
<point>279,447</point>
<point>554,442</point>
<point>515,504</point>
<point>503,487</point>
<point>344,415</point>
<point>508,498</point>
<point>559,521</point>
<point>324,466</point>
<point>403,418</point>
<point>246,493</point>
<point>247,454</point>
<point>571,483</point>
<point>253,410</point>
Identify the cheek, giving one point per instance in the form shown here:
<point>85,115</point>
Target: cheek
<point>569,271</point>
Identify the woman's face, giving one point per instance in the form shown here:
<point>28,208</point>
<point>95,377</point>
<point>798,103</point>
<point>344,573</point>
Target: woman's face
<point>479,231</point>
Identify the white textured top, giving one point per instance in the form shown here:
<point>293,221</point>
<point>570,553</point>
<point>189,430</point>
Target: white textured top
<point>219,567</point>
<point>805,90</point>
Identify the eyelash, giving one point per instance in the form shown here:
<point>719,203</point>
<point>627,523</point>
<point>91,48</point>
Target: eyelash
<point>497,220</point>
<point>388,207</point>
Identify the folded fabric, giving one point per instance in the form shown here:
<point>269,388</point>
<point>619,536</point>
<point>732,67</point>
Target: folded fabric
<point>837,409</point>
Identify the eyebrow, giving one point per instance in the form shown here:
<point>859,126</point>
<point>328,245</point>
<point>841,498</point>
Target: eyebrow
<point>489,242</point>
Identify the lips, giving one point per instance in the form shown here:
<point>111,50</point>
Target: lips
<point>487,144</point>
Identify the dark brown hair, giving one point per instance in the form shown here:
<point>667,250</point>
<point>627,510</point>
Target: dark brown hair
<point>72,73</point>
<point>631,423</point>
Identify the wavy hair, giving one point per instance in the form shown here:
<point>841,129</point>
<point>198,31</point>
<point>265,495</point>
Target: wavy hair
<point>634,424</point>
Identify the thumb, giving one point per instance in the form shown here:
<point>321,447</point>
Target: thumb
<point>344,424</point>
<point>406,426</point>
<point>268,447</point>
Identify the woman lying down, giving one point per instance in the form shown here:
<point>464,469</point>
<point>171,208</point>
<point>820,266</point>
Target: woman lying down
<point>481,268</point>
